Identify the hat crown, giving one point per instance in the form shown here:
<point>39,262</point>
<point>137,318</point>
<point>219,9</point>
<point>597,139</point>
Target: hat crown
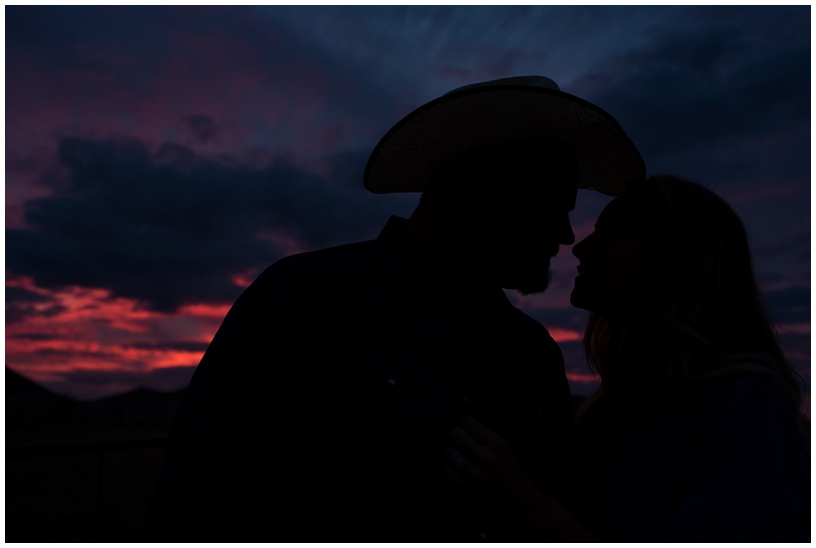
<point>526,81</point>
<point>499,111</point>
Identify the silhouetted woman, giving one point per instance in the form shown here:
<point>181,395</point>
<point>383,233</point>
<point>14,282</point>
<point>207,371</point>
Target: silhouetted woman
<point>696,431</point>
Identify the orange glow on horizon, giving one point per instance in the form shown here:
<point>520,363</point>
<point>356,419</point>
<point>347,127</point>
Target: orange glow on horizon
<point>565,335</point>
<point>85,330</point>
<point>583,377</point>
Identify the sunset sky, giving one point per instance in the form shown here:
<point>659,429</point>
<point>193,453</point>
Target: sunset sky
<point>158,158</point>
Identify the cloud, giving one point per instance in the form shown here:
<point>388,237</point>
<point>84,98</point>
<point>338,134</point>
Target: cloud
<point>691,87</point>
<point>181,346</point>
<point>22,303</point>
<point>790,305</point>
<point>138,70</point>
<point>201,127</point>
<point>170,227</point>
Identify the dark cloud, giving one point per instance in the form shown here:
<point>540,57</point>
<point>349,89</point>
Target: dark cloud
<point>170,227</point>
<point>790,305</point>
<point>257,72</point>
<point>716,83</point>
<point>201,127</point>
<point>19,295</point>
<point>182,346</point>
<point>35,336</point>
<point>773,238</point>
<point>56,355</point>
<point>108,44</point>
<point>23,303</point>
<point>796,347</point>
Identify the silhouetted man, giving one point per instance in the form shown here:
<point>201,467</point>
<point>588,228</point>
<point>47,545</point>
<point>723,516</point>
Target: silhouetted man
<point>321,410</point>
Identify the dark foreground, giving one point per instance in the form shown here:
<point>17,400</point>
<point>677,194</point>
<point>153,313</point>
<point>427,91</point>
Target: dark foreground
<point>81,471</point>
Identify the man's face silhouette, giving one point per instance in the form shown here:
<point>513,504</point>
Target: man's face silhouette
<point>527,204</point>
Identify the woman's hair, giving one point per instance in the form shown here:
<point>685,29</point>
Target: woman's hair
<point>700,317</point>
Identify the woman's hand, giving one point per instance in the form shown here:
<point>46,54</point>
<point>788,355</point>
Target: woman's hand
<point>482,464</point>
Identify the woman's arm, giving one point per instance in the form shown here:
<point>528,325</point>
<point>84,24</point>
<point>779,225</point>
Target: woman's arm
<point>483,465</point>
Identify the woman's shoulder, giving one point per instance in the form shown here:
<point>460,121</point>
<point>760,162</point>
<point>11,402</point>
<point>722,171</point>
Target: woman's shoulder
<point>748,390</point>
<point>745,384</point>
<point>753,407</point>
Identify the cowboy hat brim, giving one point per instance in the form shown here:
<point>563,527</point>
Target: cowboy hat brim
<point>481,115</point>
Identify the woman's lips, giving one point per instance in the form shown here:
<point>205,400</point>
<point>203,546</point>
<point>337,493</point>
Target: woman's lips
<point>583,272</point>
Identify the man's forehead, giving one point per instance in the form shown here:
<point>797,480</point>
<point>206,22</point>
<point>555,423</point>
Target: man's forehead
<point>552,179</point>
<point>564,192</point>
<point>544,170</point>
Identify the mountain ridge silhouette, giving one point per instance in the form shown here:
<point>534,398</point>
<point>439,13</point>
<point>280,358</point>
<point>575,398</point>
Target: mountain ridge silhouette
<point>36,412</point>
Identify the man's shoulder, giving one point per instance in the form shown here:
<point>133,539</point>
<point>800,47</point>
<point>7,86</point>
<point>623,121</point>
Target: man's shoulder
<point>350,255</point>
<point>529,334</point>
<point>528,324</point>
<point>747,392</point>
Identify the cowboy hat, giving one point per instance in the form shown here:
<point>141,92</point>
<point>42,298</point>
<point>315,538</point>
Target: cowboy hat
<point>498,111</point>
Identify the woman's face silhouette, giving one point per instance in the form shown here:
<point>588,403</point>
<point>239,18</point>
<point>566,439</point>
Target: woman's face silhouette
<point>613,262</point>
